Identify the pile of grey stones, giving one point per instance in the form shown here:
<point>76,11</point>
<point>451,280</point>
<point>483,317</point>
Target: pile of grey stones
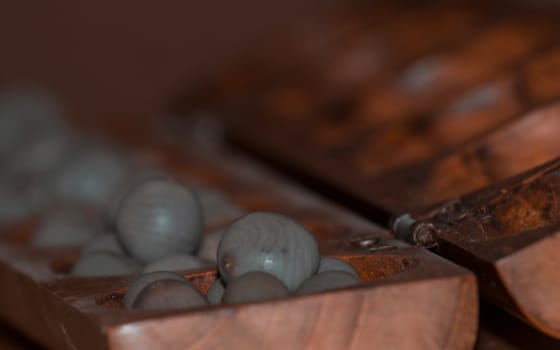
<point>133,219</point>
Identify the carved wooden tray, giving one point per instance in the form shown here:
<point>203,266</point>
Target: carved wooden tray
<point>508,235</point>
<point>407,291</point>
<point>458,116</point>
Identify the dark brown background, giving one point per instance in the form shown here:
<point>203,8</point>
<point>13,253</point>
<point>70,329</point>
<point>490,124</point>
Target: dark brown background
<point>124,57</point>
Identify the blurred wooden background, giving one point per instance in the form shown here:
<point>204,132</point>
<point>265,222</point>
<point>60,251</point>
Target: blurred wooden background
<point>126,57</point>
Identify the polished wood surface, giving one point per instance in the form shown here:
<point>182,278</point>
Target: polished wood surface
<point>507,235</point>
<point>497,331</point>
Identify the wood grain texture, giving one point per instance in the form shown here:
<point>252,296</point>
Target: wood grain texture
<point>532,277</point>
<point>516,147</point>
<point>358,319</point>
